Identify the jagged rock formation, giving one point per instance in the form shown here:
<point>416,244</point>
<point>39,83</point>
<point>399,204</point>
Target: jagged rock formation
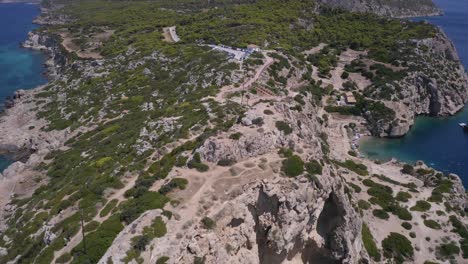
<point>274,221</point>
<point>391,8</point>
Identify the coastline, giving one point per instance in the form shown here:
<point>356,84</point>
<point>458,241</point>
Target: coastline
<point>22,138</point>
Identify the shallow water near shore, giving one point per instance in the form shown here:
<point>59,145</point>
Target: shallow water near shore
<point>439,142</point>
<point>19,68</point>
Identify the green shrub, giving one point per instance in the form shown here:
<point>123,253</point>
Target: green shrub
<point>356,188</point>
<point>380,214</point>
<point>195,163</point>
<point>293,166</point>
<point>401,212</point>
<point>397,247</point>
<point>364,205</point>
<point>313,167</point>
<point>140,242</point>
<point>403,196</point>
<point>226,162</point>
<point>406,225</point>
<point>180,183</point>
<point>268,112</point>
<point>408,169</point>
<point>432,224</point>
<point>358,168</point>
<point>156,229</point>
<point>447,250</point>
<point>421,206</point>
<point>162,260</point>
<point>412,234</point>
<point>344,75</point>
<point>208,223</point>
<point>284,127</point>
<point>369,243</point>
<point>236,136</point>
<point>460,229</point>
<point>181,161</point>
<point>98,241</point>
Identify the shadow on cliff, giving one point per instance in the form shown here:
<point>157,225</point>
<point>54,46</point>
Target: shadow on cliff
<point>267,221</point>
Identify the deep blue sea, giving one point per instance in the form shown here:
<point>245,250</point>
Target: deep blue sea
<point>19,68</point>
<point>439,142</point>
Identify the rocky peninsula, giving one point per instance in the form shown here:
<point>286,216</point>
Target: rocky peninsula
<point>161,152</point>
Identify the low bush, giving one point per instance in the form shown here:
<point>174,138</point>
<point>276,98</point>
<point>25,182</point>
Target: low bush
<point>293,166</point>
<point>283,127</point>
<point>208,223</point>
<point>421,206</point>
<point>98,241</point>
<point>401,212</point>
<point>162,260</point>
<point>369,243</point>
<point>195,163</point>
<point>364,205</point>
<point>313,167</point>
<point>406,225</point>
<point>356,188</point>
<point>380,214</point>
<point>236,136</point>
<point>226,162</point>
<point>447,250</point>
<point>403,197</point>
<point>407,169</point>
<point>397,247</point>
<point>432,224</point>
<point>358,168</point>
<point>180,183</point>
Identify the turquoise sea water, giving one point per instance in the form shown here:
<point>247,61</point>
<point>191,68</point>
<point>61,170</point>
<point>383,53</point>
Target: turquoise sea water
<point>19,68</point>
<point>439,142</point>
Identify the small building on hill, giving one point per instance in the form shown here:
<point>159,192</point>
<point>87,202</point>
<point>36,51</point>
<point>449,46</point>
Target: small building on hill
<point>350,99</point>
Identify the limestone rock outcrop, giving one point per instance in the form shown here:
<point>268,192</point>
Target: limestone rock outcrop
<point>271,221</point>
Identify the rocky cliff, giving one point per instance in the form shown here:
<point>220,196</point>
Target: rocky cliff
<point>436,85</point>
<point>391,8</point>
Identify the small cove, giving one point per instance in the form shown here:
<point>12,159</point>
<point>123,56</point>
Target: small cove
<point>439,142</point>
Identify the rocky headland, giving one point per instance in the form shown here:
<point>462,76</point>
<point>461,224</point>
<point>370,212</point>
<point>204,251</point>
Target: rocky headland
<point>255,169</point>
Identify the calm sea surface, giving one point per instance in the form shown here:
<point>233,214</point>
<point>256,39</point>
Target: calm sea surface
<point>439,142</point>
<point>19,68</point>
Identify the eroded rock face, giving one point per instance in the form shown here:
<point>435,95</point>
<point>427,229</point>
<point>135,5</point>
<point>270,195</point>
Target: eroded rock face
<point>273,221</point>
<point>439,87</point>
<point>257,142</point>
